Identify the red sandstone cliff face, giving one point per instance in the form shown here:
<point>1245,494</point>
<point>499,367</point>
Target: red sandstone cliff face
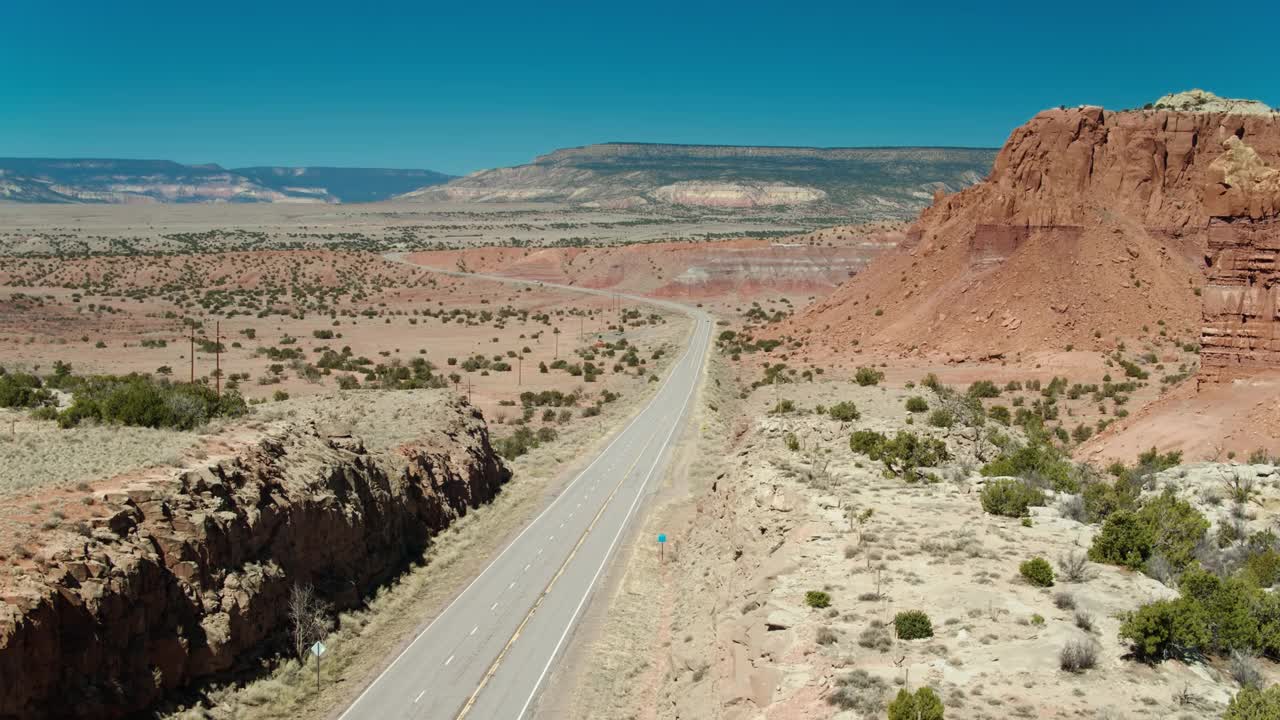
<point>190,574</point>
<point>1091,222</point>
<point>1241,333</point>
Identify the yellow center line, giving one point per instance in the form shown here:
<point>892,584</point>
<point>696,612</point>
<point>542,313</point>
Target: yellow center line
<point>498,661</point>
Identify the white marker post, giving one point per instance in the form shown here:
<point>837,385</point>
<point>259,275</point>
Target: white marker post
<point>318,650</point>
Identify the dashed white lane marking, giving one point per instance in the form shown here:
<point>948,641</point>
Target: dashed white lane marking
<point>526,568</point>
<point>474,629</point>
<point>415,700</point>
<point>446,662</point>
<point>562,524</point>
<point>513,584</point>
<point>491,607</point>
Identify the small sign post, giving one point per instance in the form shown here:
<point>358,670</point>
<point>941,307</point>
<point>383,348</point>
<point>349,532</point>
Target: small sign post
<point>662,541</point>
<point>318,650</point>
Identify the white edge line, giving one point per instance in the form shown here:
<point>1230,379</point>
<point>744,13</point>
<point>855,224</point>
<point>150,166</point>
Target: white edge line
<point>605,560</point>
<point>563,493</point>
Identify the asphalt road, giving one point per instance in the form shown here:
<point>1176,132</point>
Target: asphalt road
<point>488,653</point>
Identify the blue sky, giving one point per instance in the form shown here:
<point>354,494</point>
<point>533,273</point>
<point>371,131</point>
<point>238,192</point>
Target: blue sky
<point>461,86</point>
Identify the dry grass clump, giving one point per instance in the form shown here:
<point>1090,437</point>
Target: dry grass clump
<point>42,455</point>
<point>1078,655</point>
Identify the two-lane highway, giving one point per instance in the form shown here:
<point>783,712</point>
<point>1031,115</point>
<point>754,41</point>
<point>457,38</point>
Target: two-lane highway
<point>487,654</point>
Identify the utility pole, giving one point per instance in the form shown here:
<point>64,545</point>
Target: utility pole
<point>556,331</point>
<point>217,378</point>
<point>193,354</point>
<point>519,370</point>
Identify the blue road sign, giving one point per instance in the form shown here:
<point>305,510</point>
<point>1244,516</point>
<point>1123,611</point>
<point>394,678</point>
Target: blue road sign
<point>662,538</point>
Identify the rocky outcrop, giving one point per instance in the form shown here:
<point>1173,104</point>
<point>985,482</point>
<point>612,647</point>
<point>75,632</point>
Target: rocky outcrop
<point>1092,223</point>
<point>188,575</point>
<point>1198,100</point>
<point>736,195</point>
<point>1241,333</point>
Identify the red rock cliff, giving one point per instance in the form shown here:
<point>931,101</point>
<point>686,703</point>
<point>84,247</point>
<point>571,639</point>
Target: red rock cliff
<point>190,574</point>
<point>1241,333</point>
<point>1091,222</point>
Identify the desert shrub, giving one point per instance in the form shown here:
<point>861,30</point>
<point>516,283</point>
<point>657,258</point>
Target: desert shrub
<point>1165,628</point>
<point>865,376</point>
<point>1037,461</point>
<point>912,625</point>
<point>1103,498</point>
<point>1037,571</point>
<point>1078,655</point>
<point>1064,601</point>
<point>22,390</point>
<point>876,637</point>
<point>1000,414</point>
<point>1244,670</point>
<point>140,401</point>
<point>1123,540</point>
<point>522,441</point>
<point>984,389</point>
<point>866,442</point>
<point>917,404</point>
<point>826,636</point>
<point>1254,704</point>
<point>817,599</point>
<point>791,441</point>
<point>1164,524</point>
<point>923,705</point>
<point>1073,566</point>
<point>861,691</point>
<point>1010,497</point>
<point>844,411</point>
<point>942,418</point>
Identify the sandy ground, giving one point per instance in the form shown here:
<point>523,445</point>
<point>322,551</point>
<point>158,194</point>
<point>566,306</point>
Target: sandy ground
<point>721,630</point>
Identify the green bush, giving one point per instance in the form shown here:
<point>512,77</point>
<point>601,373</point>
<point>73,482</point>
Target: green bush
<point>1037,571</point>
<point>984,389</point>
<point>923,705</point>
<point>917,404</point>
<point>1124,540</point>
<point>942,418</point>
<point>817,599</point>
<point>1038,461</point>
<point>21,390</point>
<point>1165,628</point>
<point>844,412</point>
<point>1103,498</point>
<point>140,401</point>
<point>1254,704</point>
<point>902,455</point>
<point>1164,525</point>
<point>912,625</point>
<point>868,376</point>
<point>1000,414</point>
<point>1010,497</point>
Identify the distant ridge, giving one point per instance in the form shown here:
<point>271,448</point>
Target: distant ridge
<point>864,183</point>
<point>107,180</point>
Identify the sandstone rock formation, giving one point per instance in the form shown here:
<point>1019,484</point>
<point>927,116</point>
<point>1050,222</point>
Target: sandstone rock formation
<point>189,574</point>
<point>1092,223</point>
<point>1197,100</point>
<point>1241,333</point>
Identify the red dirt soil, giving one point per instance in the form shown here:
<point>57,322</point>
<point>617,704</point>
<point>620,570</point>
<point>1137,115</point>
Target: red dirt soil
<point>728,270</point>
